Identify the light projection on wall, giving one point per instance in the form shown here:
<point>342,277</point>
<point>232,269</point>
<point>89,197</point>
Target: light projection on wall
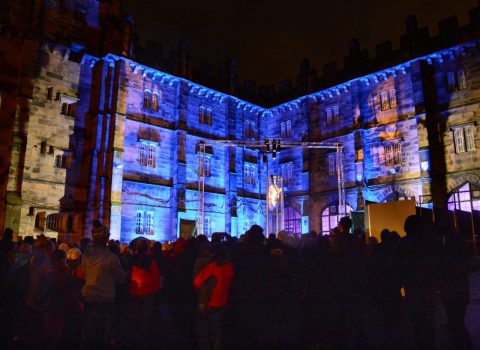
<point>165,174</point>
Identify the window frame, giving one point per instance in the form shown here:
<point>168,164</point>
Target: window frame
<point>155,101</point>
<point>328,114</point>
<point>288,128</point>
<point>469,138</point>
<point>336,114</point>
<point>464,138</point>
<point>392,98</point>
<point>283,129</point>
<point>142,154</point>
<point>147,99</point>
<point>151,156</point>
<point>149,223</point>
<point>459,140</point>
<point>461,79</point>
<point>384,101</point>
<point>139,222</point>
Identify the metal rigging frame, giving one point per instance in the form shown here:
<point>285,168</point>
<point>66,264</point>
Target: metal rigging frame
<point>264,146</point>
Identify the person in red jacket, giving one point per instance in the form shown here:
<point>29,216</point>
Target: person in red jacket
<point>209,318</point>
<point>144,285</point>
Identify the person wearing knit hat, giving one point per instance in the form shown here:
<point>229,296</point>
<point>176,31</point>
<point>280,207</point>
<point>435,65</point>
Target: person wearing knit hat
<point>64,247</point>
<point>73,253</point>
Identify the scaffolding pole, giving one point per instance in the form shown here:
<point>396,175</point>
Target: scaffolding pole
<point>341,180</point>
<point>200,229</point>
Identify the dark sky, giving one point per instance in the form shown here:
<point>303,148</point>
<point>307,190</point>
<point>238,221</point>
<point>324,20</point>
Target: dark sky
<point>269,38</point>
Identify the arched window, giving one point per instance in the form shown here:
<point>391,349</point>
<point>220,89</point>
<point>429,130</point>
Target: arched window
<point>464,198</point>
<point>331,217</point>
<point>147,95</point>
<point>293,221</point>
<point>155,99</point>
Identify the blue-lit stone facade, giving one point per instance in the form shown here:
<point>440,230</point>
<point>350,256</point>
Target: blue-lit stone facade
<point>132,145</point>
<point>380,119</point>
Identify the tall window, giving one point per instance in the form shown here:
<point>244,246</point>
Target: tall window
<point>286,128</point>
<point>63,160</point>
<point>249,131</point>
<point>393,153</point>
<point>451,82</point>
<point>155,101</point>
<point>142,154</point>
<point>331,217</point>
<point>58,161</point>
<point>464,138</point>
<point>208,120</point>
<point>397,153</point>
<point>293,221</point>
<point>459,141</point>
<point>287,172</point>
<point>336,114</point>
<point>469,138</point>
<point>147,98</point>
<point>461,81</point>
<point>40,220</point>
<point>328,113</point>
<point>151,156</point>
<point>201,115</point>
<point>181,146</point>
<point>54,222</point>
<point>149,223</point>
<point>147,154</point>
<point>392,98</point>
<point>43,147</point>
<point>207,226</point>
<point>375,151</point>
<point>144,223</point>
<point>384,100</point>
<point>205,116</point>
<point>69,109</point>
<point>50,93</point>
<point>456,80</point>
<point>388,100</point>
<point>139,223</point>
<point>289,128</point>
<point>250,174</point>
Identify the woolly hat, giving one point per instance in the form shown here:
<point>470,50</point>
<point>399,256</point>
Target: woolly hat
<point>64,247</point>
<point>73,253</point>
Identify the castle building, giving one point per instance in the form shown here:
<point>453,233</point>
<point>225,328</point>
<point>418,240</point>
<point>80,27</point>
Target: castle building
<point>91,133</point>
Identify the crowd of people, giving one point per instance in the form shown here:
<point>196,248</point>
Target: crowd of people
<point>336,291</point>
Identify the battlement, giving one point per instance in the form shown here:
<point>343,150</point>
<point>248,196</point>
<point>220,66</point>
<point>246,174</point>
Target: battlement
<point>415,42</point>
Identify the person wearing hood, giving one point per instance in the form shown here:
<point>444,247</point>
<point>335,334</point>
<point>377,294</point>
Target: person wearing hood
<point>103,273</point>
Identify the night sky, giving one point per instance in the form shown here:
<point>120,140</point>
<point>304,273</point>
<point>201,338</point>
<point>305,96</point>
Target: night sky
<point>269,38</point>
